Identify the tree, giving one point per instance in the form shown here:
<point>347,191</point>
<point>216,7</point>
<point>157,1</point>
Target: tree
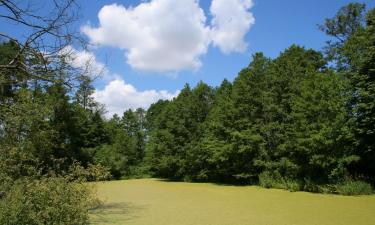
<point>83,95</point>
<point>133,123</point>
<point>321,135</point>
<point>9,79</point>
<point>347,21</point>
<point>363,83</point>
<point>177,131</point>
<point>216,138</point>
<point>38,118</point>
<point>153,114</point>
<point>356,50</point>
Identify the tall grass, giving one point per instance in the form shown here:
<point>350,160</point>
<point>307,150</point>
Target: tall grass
<point>354,188</point>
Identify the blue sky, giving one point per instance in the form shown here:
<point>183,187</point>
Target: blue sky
<point>150,49</point>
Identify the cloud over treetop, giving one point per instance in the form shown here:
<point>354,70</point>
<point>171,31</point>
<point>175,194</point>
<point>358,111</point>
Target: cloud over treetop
<point>169,35</point>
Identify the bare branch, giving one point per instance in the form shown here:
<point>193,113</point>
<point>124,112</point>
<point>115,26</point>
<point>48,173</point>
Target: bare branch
<point>38,29</point>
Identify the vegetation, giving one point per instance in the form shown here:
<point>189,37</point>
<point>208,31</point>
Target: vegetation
<point>47,120</point>
<point>47,201</point>
<point>301,121</point>
<point>354,188</point>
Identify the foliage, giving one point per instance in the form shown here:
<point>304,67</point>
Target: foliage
<point>354,188</point>
<point>270,180</point>
<point>173,142</point>
<point>125,148</point>
<point>43,129</point>
<point>51,200</point>
<point>96,172</point>
<point>275,180</point>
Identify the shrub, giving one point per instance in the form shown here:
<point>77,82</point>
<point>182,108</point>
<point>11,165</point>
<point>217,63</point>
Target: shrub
<point>136,172</point>
<point>327,189</point>
<point>271,180</point>
<point>275,180</point>
<point>50,201</point>
<point>354,188</point>
<point>91,173</point>
<point>266,180</point>
<point>311,186</point>
<point>292,185</point>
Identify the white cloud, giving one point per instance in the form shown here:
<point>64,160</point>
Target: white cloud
<point>161,35</point>
<point>119,96</point>
<point>171,35</point>
<point>231,21</point>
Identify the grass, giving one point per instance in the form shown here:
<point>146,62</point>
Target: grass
<point>155,202</point>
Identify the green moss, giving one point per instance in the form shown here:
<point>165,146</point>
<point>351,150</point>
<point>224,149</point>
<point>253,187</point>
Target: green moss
<point>155,202</point>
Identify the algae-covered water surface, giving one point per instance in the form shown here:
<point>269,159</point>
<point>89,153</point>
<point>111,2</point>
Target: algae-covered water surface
<point>155,202</point>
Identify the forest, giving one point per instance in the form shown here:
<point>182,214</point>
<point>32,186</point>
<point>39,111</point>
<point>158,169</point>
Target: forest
<point>303,121</point>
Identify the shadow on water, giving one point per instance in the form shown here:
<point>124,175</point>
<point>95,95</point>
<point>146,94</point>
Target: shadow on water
<point>115,213</point>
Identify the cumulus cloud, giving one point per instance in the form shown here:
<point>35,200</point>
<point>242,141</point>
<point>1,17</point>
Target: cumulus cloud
<point>231,21</point>
<point>161,35</point>
<point>118,96</point>
<point>169,35</point>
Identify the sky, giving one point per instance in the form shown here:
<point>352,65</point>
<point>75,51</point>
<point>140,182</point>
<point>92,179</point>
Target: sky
<point>148,50</point>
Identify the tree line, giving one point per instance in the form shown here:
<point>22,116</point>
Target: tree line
<point>301,121</point>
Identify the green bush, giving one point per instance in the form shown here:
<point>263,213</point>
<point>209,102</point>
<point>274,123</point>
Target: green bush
<point>95,172</point>
<point>137,172</point>
<point>292,185</point>
<point>51,199</point>
<point>354,188</point>
<point>275,180</point>
<point>271,180</point>
<point>48,201</point>
<point>327,189</point>
<point>311,186</point>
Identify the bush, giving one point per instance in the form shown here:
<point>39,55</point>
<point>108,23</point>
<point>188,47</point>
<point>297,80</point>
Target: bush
<point>271,180</point>
<point>292,185</point>
<point>327,189</point>
<point>275,180</point>
<point>354,188</point>
<point>137,172</point>
<point>49,201</point>
<point>91,173</point>
<point>310,186</point>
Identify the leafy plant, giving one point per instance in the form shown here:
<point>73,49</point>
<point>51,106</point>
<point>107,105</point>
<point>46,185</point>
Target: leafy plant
<point>50,201</point>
